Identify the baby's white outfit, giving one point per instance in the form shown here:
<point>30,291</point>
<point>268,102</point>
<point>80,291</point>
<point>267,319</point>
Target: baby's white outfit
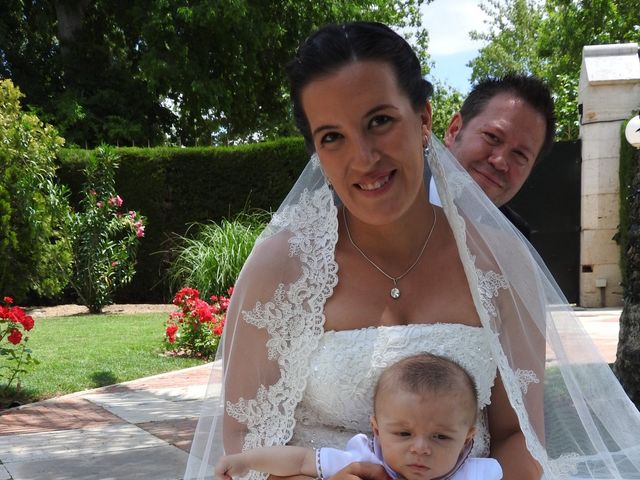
<point>362,449</point>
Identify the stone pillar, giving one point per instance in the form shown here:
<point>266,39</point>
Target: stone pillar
<point>609,92</point>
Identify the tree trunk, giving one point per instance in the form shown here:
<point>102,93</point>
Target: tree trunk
<point>70,15</point>
<point>627,366</point>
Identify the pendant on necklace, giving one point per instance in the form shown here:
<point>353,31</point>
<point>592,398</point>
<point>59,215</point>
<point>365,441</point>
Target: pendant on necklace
<point>395,293</point>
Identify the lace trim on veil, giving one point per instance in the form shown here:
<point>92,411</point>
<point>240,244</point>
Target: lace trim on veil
<point>294,320</point>
<point>484,286</point>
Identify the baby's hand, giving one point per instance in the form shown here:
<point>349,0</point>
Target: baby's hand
<point>230,466</point>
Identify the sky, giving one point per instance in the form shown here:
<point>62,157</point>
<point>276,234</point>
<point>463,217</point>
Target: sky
<point>449,23</point>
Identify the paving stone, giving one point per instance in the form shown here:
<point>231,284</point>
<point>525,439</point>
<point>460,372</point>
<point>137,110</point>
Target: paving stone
<point>178,433</point>
<point>71,443</point>
<point>140,407</point>
<point>162,462</point>
<point>4,473</point>
<point>57,414</point>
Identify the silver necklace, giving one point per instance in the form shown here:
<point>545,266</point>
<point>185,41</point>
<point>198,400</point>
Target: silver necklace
<point>395,291</point>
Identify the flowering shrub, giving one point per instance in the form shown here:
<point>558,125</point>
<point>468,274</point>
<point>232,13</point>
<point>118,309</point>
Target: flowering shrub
<point>196,329</point>
<point>14,354</point>
<point>104,238</point>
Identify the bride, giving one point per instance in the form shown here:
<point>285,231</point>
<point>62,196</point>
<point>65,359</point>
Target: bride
<point>357,270</point>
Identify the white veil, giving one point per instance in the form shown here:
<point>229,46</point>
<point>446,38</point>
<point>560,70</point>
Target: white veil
<point>577,420</point>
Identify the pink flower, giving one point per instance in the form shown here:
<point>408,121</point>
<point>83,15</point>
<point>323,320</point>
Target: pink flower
<point>132,214</point>
<point>140,232</point>
<point>8,300</point>
<point>114,264</point>
<point>15,336</point>
<point>115,201</point>
<point>99,204</point>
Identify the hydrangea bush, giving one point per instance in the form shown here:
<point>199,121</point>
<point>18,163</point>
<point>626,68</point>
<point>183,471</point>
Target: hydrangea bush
<point>195,329</point>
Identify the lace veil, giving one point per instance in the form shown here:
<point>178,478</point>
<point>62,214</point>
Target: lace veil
<point>576,418</point>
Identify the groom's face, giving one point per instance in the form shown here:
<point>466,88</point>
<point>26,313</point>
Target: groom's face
<point>499,146</point>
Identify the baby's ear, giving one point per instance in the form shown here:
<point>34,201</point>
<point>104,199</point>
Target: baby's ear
<point>374,425</point>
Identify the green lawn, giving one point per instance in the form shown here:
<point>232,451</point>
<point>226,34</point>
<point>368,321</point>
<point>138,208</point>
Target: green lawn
<point>88,351</point>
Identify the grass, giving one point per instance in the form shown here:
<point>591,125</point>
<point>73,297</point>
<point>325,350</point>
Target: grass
<point>212,258</point>
<point>88,351</point>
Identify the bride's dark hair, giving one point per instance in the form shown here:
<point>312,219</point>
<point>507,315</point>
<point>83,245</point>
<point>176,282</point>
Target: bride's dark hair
<point>334,46</point>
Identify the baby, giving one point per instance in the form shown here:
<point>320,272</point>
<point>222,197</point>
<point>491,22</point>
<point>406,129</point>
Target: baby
<point>425,409</point>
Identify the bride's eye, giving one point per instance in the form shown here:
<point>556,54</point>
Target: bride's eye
<point>330,137</point>
<point>380,120</point>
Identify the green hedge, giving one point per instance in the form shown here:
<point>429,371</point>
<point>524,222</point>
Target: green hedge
<point>174,187</point>
<point>629,158</point>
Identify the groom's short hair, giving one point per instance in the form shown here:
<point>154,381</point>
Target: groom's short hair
<point>530,89</point>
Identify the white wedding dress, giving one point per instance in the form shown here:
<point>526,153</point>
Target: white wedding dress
<point>338,399</point>
<point>286,380</point>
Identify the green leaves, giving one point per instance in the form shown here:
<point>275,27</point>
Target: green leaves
<point>33,207</point>
<point>103,239</point>
<point>546,40</point>
<point>153,71</point>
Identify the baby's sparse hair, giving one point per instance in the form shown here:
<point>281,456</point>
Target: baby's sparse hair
<point>426,373</point>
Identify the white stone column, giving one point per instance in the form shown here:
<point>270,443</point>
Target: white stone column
<point>609,92</point>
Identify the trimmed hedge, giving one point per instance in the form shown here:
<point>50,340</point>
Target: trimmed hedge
<point>175,187</point>
<point>629,159</point>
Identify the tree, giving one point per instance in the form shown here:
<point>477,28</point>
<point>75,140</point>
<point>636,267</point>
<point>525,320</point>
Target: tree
<point>445,101</point>
<point>628,353</point>
<point>511,39</point>
<point>145,71</point>
<point>34,256</point>
<point>546,39</point>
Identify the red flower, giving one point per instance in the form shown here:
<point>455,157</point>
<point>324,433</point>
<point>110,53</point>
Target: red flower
<point>203,310</point>
<point>8,300</point>
<point>27,322</point>
<point>184,295</point>
<point>230,291</point>
<point>15,336</point>
<point>171,331</point>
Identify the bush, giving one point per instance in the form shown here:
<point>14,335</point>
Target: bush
<point>629,160</point>
<point>177,187</point>
<point>104,240</point>
<point>196,329</point>
<point>211,261</point>
<point>14,354</point>
<point>34,255</point>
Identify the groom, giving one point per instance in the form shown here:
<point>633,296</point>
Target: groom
<point>504,128</point>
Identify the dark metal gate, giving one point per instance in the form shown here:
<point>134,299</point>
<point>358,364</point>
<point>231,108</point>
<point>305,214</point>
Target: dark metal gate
<point>550,203</point>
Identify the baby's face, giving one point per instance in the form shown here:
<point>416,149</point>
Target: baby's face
<point>421,436</point>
